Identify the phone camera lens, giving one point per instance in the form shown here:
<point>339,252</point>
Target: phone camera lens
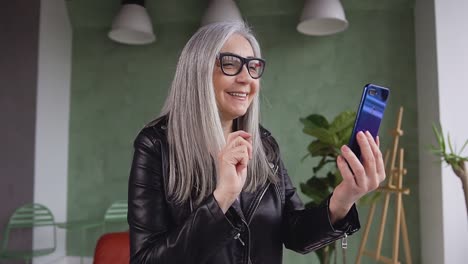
<point>372,92</point>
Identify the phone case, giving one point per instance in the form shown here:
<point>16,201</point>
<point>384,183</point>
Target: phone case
<point>370,113</point>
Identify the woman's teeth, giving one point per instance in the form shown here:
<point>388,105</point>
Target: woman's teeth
<point>238,94</point>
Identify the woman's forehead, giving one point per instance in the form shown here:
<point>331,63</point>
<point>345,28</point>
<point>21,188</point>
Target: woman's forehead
<point>239,45</point>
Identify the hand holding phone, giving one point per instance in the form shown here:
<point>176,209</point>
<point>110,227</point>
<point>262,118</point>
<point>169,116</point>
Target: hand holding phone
<point>361,178</point>
<point>370,113</point>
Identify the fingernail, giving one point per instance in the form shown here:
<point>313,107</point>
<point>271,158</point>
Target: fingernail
<point>344,148</point>
<point>368,133</point>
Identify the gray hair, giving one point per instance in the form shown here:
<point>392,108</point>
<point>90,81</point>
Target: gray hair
<point>195,134</point>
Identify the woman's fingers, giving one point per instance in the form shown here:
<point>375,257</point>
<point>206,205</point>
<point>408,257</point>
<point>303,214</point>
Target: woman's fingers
<point>240,138</point>
<point>239,133</point>
<point>238,157</point>
<point>380,167</point>
<point>359,178</point>
<point>346,173</point>
<point>355,165</point>
<point>241,154</point>
<point>367,154</point>
<point>371,171</point>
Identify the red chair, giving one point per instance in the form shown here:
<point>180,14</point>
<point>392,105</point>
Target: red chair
<point>113,248</point>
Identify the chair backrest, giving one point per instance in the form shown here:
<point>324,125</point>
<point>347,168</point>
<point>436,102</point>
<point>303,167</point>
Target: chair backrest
<point>117,212</point>
<point>113,248</point>
<point>30,216</point>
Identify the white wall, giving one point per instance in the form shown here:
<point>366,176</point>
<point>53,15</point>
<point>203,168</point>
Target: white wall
<point>452,55</point>
<point>53,103</point>
<point>442,74</point>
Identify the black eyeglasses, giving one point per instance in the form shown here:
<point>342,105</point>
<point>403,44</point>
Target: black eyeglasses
<point>231,64</point>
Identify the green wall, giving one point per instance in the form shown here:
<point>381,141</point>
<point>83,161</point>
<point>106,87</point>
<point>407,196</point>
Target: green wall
<point>116,89</point>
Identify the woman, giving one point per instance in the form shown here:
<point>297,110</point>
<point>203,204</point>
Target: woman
<point>207,183</point>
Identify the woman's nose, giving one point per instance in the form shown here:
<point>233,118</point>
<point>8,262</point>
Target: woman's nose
<point>244,75</point>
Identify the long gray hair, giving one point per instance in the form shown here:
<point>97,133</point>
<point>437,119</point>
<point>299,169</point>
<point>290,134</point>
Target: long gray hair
<point>195,134</point>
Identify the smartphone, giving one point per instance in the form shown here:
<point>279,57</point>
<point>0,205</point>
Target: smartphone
<point>369,114</point>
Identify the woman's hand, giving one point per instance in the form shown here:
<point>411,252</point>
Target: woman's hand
<point>232,168</point>
<point>360,179</point>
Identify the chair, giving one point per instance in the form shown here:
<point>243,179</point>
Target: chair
<point>116,213</point>
<point>113,248</point>
<point>28,216</point>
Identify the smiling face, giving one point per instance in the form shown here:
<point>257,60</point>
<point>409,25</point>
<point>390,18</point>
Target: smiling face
<point>234,94</point>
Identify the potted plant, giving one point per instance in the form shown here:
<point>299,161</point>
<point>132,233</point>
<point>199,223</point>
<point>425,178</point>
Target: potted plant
<point>452,158</point>
<point>328,138</point>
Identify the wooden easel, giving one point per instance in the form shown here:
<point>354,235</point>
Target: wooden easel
<point>394,186</point>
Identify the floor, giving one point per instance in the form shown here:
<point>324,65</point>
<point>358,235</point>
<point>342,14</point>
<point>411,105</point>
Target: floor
<point>67,260</point>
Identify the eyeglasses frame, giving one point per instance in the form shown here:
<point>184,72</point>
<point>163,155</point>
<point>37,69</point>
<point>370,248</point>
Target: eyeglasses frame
<point>244,61</point>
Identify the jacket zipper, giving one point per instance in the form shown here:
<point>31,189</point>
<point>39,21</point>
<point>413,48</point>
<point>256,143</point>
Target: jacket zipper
<point>257,203</point>
<point>249,217</point>
<point>344,241</point>
<point>240,239</point>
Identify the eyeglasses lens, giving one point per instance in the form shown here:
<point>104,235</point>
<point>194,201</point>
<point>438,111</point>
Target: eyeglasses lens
<point>232,65</point>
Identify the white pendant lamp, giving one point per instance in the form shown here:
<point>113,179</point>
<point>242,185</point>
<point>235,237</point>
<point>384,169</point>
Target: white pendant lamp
<point>322,17</point>
<point>132,25</point>
<point>220,11</point>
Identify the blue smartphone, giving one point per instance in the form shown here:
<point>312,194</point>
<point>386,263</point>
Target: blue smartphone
<point>370,113</point>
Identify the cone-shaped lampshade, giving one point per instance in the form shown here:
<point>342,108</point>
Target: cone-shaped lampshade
<point>132,25</point>
<point>322,17</point>
<point>221,10</point>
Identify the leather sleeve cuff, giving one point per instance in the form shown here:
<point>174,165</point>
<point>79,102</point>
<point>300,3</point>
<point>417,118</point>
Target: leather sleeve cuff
<point>349,224</point>
<point>218,214</point>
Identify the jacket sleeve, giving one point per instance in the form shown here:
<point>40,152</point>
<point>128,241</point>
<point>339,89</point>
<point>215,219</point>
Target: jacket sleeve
<point>308,229</point>
<point>154,238</point>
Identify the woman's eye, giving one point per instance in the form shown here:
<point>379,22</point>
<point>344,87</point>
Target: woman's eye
<point>253,69</point>
<point>228,65</point>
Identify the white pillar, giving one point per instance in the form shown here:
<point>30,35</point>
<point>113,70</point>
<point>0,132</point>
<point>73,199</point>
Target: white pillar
<point>52,120</point>
<point>452,56</point>
<point>441,28</point>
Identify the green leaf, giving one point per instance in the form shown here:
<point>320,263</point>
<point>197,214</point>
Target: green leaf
<point>344,135</point>
<point>463,147</point>
<point>319,166</point>
<point>343,121</point>
<point>319,148</point>
<point>450,143</point>
<point>310,192</point>
<point>306,189</point>
<point>322,134</point>
<point>338,177</point>
<point>325,160</point>
<point>332,179</point>
<point>439,137</point>
<point>316,188</point>
<point>315,121</point>
<point>312,204</point>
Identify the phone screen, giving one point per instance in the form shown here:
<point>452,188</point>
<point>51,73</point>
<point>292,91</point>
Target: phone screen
<point>370,113</point>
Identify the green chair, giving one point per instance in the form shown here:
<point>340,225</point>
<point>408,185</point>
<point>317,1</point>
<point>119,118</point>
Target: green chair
<point>28,216</point>
<point>116,213</point>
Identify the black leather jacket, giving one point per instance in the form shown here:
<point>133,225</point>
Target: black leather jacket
<point>252,230</point>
